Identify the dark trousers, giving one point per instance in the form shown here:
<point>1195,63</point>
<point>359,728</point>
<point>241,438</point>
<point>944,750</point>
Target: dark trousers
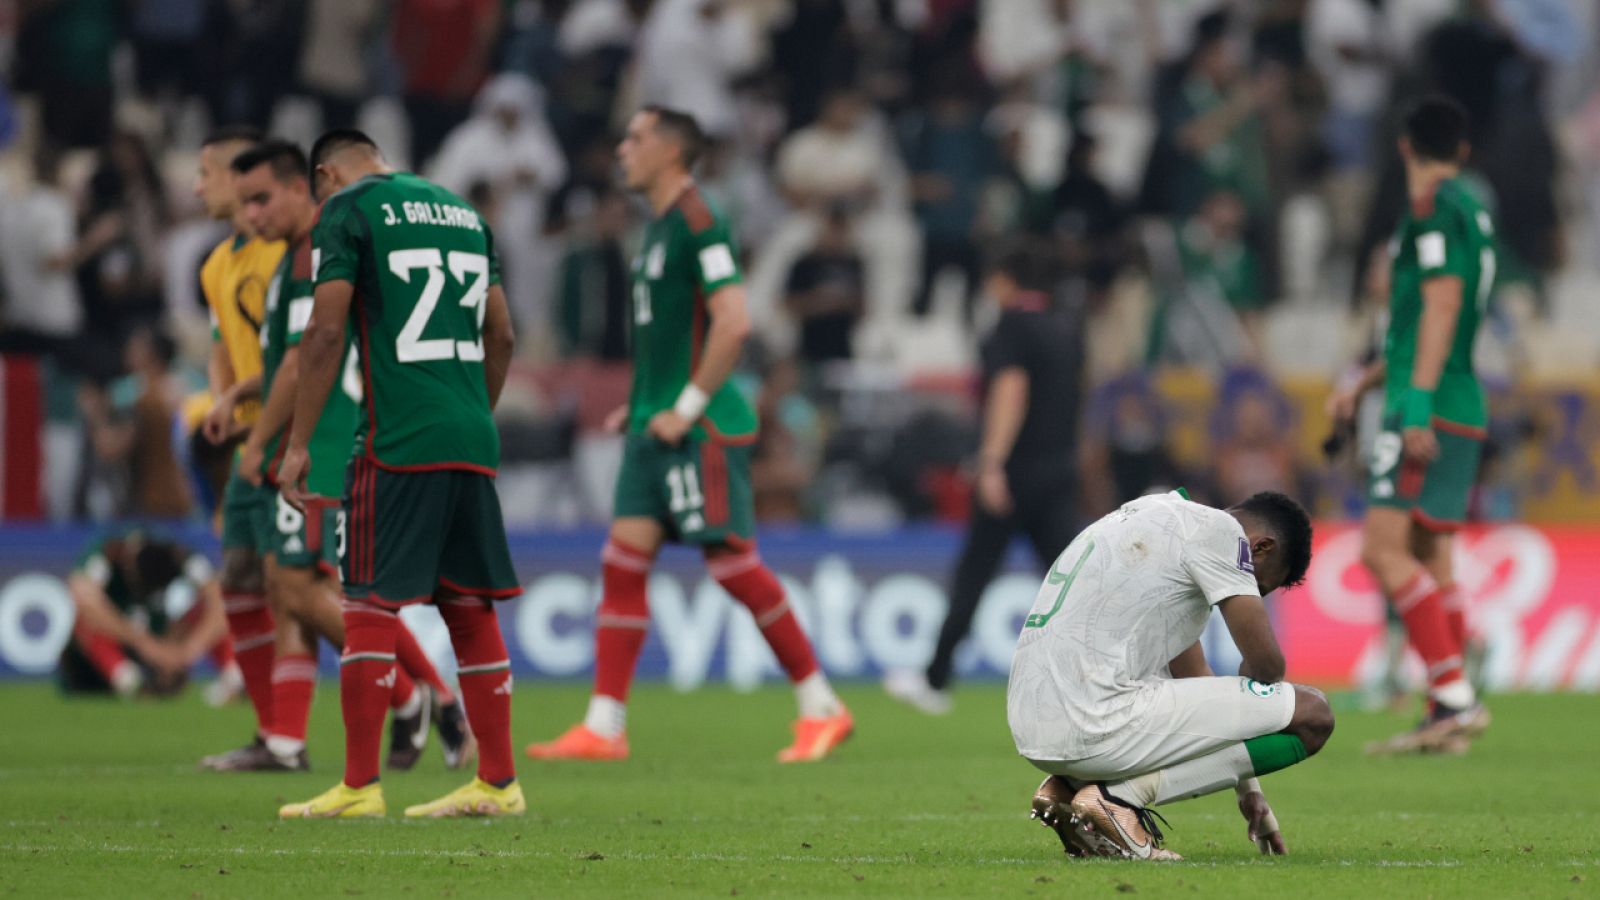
<point>1046,513</point>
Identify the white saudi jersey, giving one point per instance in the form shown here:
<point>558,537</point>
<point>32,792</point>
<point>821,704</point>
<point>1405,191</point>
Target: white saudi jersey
<point>1127,595</point>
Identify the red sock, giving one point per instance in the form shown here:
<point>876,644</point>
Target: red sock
<point>251,626</point>
<point>485,674</point>
<point>102,651</point>
<point>294,680</point>
<point>623,620</point>
<point>1421,605</point>
<point>408,653</point>
<point>741,573</point>
<point>1455,612</point>
<point>366,684</point>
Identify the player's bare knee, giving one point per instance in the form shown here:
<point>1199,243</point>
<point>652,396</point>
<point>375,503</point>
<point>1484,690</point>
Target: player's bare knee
<point>1313,718</point>
<point>241,572</point>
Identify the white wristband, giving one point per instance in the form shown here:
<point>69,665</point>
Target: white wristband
<point>1248,786</point>
<point>691,402</point>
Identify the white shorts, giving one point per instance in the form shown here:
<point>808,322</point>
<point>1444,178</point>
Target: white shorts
<point>1187,718</point>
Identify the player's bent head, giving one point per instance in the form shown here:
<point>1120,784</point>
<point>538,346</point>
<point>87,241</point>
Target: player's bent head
<point>1284,562</point>
<point>337,156</point>
<point>270,180</point>
<point>1436,129</point>
<point>156,566</point>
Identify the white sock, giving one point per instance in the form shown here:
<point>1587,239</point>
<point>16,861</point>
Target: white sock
<point>1194,778</point>
<point>607,716</point>
<point>410,706</point>
<point>281,746</point>
<point>815,697</point>
<point>126,678</point>
<point>1456,695</point>
<point>1139,790</point>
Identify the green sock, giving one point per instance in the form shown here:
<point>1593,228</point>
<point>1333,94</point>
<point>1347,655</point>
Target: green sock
<point>1272,752</point>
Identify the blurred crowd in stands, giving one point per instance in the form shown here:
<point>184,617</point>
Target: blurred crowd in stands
<point>1218,177</point>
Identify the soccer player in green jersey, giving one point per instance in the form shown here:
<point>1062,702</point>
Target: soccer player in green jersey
<point>1425,460</point>
<point>686,467</point>
<point>412,269</point>
<point>302,550</point>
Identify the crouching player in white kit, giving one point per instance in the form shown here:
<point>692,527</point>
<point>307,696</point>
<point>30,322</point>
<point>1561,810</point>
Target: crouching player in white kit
<point>1111,694</point>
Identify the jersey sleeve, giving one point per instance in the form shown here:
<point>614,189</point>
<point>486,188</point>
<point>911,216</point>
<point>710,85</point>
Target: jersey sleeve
<point>336,242</point>
<point>1217,557</point>
<point>1012,341</point>
<point>716,265</point>
<point>1442,246</point>
<point>94,564</point>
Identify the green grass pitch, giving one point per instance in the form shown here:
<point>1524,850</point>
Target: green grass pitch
<point>100,799</point>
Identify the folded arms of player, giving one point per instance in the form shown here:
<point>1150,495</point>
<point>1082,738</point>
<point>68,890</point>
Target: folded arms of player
<point>1246,618</point>
<point>730,325</point>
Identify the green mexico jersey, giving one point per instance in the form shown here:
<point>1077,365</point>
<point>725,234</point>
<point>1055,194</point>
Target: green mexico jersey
<point>687,255</point>
<point>288,309</point>
<point>1456,239</point>
<point>421,261</point>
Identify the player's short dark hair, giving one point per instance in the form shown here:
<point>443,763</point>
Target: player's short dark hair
<point>682,129</point>
<point>1030,262</point>
<point>287,160</point>
<point>156,564</point>
<point>1436,126</point>
<point>338,139</point>
<point>1289,525</point>
<point>248,134</point>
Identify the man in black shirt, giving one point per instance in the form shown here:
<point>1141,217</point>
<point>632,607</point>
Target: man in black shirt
<point>827,292</point>
<point>1027,462</point>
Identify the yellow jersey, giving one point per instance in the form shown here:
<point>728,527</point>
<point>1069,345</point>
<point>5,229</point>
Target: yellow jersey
<point>234,279</point>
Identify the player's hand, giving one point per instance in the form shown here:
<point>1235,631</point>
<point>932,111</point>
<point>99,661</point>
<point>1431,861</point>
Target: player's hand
<point>1420,444</point>
<point>616,420</point>
<point>668,427</point>
<point>218,424</point>
<point>1341,406</point>
<point>1262,825</point>
<point>292,474</point>
<point>994,491</point>
<point>250,458</point>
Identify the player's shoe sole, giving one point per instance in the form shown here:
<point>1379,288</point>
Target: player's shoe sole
<point>1052,808</point>
<point>477,798</point>
<point>817,737</point>
<point>580,743</point>
<point>339,802</point>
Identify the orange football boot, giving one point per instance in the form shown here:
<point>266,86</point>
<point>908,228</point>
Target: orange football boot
<point>815,737</point>
<point>578,742</point>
